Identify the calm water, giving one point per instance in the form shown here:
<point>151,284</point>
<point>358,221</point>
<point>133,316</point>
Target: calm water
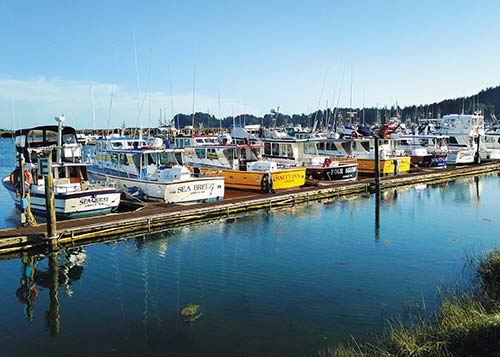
<point>282,283</point>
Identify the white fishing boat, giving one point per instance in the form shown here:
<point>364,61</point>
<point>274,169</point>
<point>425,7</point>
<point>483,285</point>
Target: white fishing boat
<point>75,195</point>
<point>424,151</point>
<point>151,171</point>
<point>492,141</point>
<point>466,136</point>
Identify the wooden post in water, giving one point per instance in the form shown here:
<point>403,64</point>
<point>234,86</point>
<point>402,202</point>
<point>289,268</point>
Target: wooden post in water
<point>50,202</point>
<point>377,215</point>
<point>53,316</point>
<point>377,162</point>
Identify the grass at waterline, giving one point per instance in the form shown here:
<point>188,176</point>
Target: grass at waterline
<point>467,323</point>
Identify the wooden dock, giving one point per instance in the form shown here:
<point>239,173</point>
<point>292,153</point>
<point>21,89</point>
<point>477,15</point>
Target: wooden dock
<point>154,217</point>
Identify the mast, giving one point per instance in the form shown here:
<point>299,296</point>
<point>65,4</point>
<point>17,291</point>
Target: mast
<point>93,107</point>
<point>138,91</point>
<point>192,112</point>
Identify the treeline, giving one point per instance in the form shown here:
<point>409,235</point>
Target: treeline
<point>487,101</point>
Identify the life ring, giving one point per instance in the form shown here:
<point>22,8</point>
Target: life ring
<point>28,178</point>
<point>327,162</point>
<point>34,293</point>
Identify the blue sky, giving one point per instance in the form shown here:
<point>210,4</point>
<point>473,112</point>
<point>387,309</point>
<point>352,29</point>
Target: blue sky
<point>255,55</point>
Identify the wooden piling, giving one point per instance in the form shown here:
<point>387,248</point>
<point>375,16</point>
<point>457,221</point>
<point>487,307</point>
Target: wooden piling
<point>377,163</point>
<point>50,204</point>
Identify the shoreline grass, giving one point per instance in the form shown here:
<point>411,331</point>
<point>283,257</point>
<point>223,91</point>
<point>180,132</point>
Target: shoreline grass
<point>466,323</point>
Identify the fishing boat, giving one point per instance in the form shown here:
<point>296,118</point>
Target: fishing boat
<point>492,141</point>
<point>393,161</point>
<point>424,151</point>
<point>145,168</point>
<point>466,136</point>
<point>75,195</point>
<point>242,167</point>
<point>304,153</point>
<point>289,152</point>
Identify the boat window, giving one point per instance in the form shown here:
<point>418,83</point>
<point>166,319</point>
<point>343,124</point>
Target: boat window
<point>331,146</point>
<point>150,159</point>
<point>61,172</point>
<point>166,157</point>
<point>347,146</point>
<point>69,139</point>
<point>310,149</point>
<point>51,136</point>
<point>21,140</point>
<point>242,154</point>
<point>200,153</point>
<point>229,154</point>
<point>117,145</point>
<point>212,153</point>
<point>275,149</point>
<point>267,148</point>
<point>123,159</point>
<point>286,150</point>
<point>114,158</point>
<point>453,142</point>
<point>137,161</point>
<point>365,145</point>
<point>255,154</point>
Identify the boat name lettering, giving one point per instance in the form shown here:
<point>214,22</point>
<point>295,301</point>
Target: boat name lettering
<point>287,177</point>
<point>93,200</point>
<point>195,187</point>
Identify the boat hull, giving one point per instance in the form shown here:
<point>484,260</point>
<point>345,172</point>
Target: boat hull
<point>200,189</point>
<point>72,204</point>
<point>346,172</point>
<point>438,161</point>
<point>256,180</point>
<point>387,167</point>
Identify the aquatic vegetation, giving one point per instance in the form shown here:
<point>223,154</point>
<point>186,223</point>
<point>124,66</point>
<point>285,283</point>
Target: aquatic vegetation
<point>466,323</point>
<point>191,313</point>
<point>489,273</point>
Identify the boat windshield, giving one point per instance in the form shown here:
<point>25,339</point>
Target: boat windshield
<point>166,157</point>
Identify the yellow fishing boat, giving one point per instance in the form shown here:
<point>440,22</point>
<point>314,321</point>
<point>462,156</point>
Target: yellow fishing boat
<point>392,160</point>
<point>391,166</point>
<point>241,167</point>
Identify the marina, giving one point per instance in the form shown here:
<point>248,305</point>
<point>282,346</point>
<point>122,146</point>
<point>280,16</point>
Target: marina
<point>257,179</point>
<point>301,276</point>
<point>151,217</point>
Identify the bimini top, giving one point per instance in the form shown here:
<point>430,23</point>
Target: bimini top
<point>33,140</point>
<point>45,129</point>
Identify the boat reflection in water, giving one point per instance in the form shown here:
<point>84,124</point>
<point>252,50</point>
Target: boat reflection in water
<point>62,269</point>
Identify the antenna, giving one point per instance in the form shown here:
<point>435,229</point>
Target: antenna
<point>220,113</point>
<point>194,89</point>
<point>110,110</point>
<point>138,90</point>
<point>13,112</point>
<point>350,98</point>
<point>320,97</point>
<point>93,106</point>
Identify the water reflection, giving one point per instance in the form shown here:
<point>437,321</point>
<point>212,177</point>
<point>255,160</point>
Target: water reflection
<point>27,293</point>
<point>62,268</point>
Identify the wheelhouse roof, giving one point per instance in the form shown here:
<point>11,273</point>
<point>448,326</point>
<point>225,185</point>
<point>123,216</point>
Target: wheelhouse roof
<point>44,128</point>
